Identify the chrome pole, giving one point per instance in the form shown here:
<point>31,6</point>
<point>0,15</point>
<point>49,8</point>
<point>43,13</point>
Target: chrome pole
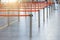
<point>39,19</point>
<point>8,14</point>
<point>43,16</point>
<point>30,25</point>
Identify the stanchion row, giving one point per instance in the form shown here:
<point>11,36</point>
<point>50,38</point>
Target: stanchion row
<point>24,15</point>
<point>45,15</point>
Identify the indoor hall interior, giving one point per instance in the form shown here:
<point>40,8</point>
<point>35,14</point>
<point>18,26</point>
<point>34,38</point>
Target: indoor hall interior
<point>29,20</point>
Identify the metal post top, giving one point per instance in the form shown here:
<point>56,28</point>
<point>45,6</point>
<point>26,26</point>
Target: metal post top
<point>31,15</point>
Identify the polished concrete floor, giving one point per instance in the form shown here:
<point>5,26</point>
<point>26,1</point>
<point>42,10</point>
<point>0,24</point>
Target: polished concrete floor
<point>20,30</point>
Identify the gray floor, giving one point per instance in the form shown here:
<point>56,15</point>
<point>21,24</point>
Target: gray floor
<point>21,30</point>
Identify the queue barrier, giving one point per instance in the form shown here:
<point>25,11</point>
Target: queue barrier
<point>29,10</point>
<point>26,6</point>
<point>37,6</point>
<point>15,15</point>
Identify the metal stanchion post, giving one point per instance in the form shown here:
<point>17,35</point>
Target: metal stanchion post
<point>31,25</point>
<point>47,12</point>
<point>18,13</point>
<point>8,14</point>
<point>31,22</point>
<point>43,16</point>
<point>18,17</point>
<point>51,8</point>
<point>39,19</point>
